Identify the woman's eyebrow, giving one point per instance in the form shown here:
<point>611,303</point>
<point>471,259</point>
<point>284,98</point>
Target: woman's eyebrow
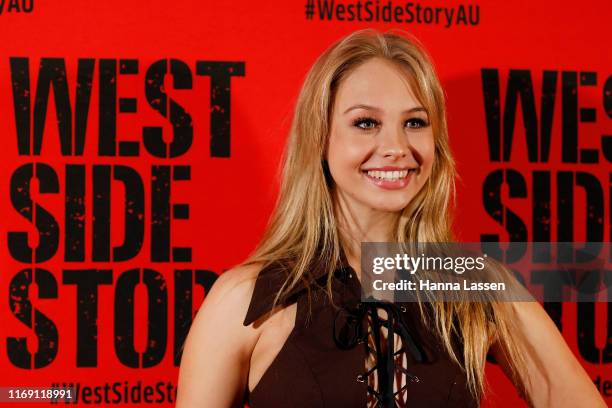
<point>374,108</point>
<point>416,109</point>
<point>362,106</point>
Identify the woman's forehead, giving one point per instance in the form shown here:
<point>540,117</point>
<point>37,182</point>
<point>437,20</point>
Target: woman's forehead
<point>378,84</point>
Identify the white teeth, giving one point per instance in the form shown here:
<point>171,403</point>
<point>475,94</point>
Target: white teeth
<point>389,175</point>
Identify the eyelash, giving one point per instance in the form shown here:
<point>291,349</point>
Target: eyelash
<point>357,122</point>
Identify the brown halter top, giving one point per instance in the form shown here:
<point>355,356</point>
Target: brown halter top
<point>322,362</point>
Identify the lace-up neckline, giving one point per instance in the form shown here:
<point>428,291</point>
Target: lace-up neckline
<point>323,362</point>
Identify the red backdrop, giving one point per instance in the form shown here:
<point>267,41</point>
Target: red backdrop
<point>245,61</point>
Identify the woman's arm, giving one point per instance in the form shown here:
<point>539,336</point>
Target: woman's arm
<point>554,377</point>
<point>217,352</point>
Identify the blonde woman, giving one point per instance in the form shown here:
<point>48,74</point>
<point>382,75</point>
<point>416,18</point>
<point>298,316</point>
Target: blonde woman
<point>367,160</point>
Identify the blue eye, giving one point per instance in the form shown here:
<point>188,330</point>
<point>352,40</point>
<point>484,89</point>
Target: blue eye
<point>366,123</point>
<point>416,123</point>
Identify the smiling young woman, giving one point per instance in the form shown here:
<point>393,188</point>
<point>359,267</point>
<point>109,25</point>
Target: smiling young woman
<point>367,161</point>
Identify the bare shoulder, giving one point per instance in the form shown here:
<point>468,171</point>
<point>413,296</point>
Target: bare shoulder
<point>233,289</point>
<point>218,348</point>
<point>226,305</point>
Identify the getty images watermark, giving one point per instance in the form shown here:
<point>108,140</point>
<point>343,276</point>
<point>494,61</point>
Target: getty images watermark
<point>487,272</point>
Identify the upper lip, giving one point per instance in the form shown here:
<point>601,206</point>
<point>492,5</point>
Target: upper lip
<point>389,168</point>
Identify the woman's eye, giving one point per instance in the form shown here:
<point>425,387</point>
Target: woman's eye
<point>416,123</point>
<point>365,123</point>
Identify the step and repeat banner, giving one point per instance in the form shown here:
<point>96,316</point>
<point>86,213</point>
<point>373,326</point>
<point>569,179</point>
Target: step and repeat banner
<point>141,140</point>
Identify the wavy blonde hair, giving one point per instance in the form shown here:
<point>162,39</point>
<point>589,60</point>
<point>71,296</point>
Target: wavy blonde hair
<point>302,231</point>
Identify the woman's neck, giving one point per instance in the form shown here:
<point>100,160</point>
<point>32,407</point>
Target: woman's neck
<point>357,224</point>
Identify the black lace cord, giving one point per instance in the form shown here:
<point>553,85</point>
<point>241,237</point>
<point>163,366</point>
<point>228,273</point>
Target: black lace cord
<point>350,333</point>
<point>386,369</point>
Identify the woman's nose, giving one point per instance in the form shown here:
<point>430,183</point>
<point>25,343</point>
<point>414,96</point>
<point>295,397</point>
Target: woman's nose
<point>394,152</point>
<point>394,143</point>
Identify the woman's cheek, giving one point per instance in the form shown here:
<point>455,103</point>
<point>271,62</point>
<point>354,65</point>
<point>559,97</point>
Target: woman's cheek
<point>427,152</point>
<point>352,154</point>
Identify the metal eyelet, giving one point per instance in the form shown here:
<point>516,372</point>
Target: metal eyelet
<point>360,378</point>
<point>403,309</point>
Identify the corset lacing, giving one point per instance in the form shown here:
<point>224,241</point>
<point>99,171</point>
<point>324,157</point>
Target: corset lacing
<point>350,329</point>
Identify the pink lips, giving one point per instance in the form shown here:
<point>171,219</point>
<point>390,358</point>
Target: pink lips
<point>388,184</point>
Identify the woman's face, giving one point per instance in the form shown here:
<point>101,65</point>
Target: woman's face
<point>381,145</point>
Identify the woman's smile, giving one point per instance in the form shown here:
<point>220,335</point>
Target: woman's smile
<point>389,177</point>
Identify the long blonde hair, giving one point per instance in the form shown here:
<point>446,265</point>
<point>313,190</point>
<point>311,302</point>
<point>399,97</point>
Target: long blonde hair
<point>303,232</point>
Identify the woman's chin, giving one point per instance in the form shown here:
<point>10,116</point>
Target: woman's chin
<point>389,207</point>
